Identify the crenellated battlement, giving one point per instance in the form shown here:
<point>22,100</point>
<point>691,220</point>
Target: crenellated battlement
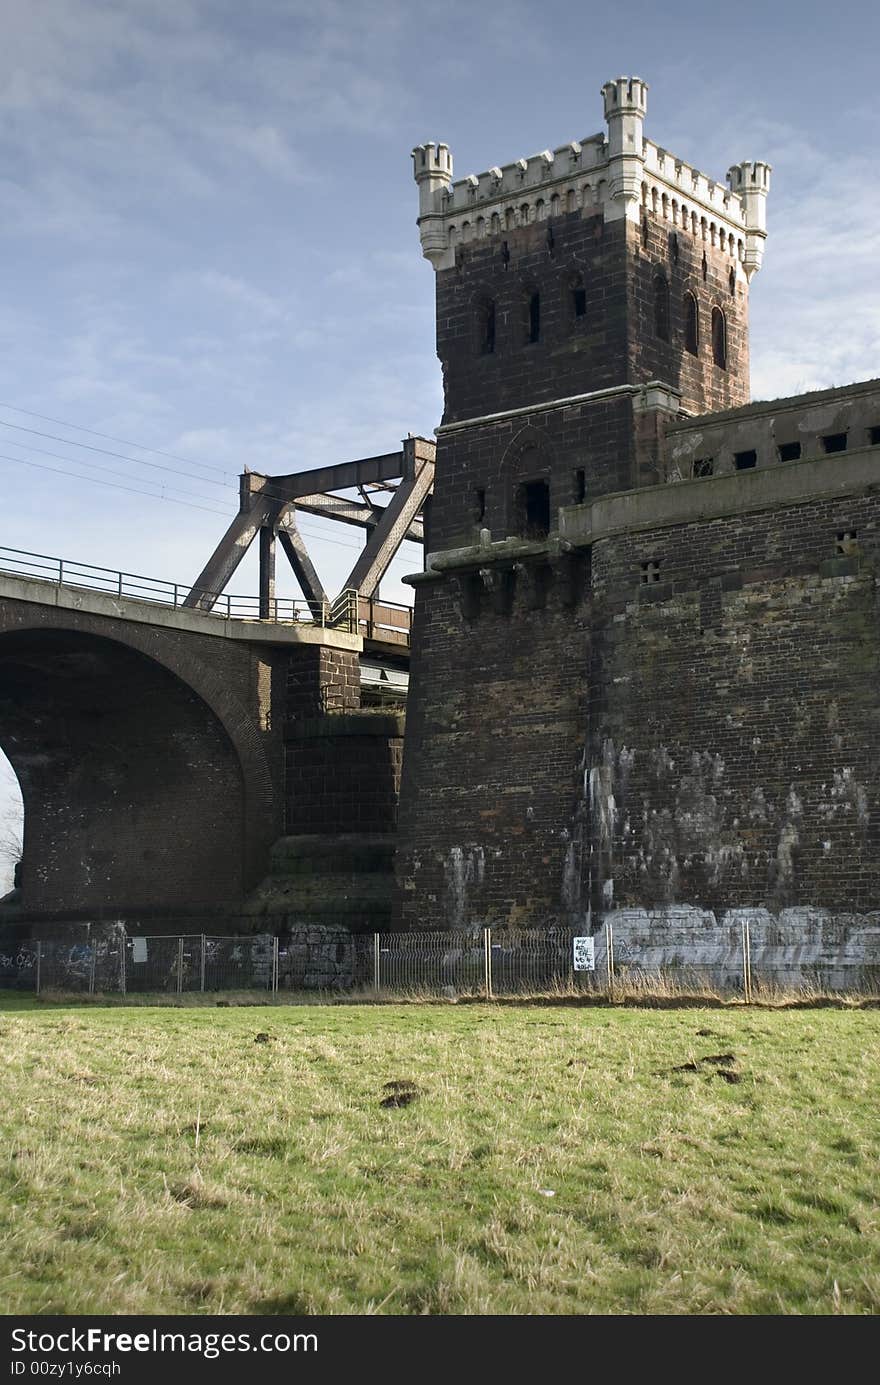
<point>621,175</point>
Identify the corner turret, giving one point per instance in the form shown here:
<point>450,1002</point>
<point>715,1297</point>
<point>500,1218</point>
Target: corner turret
<point>432,170</point>
<point>751,183</point>
<point>626,101</point>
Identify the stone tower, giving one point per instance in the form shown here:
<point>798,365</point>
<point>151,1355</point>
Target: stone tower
<point>587,298</point>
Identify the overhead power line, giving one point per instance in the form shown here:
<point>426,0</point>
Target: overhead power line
<point>76,475</point>
<point>108,437</point>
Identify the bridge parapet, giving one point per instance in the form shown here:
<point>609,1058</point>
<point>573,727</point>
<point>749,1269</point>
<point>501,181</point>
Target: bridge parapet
<point>103,591</point>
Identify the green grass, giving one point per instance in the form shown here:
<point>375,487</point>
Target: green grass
<point>164,1161</point>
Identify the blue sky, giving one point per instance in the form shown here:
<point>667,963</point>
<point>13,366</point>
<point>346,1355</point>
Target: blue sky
<point>208,226</point>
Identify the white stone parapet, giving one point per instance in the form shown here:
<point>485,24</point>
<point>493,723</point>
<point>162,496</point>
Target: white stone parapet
<point>623,174</point>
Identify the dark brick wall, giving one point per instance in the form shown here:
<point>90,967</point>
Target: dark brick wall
<point>733,717</point>
<point>491,804</point>
<point>342,766</point>
<point>496,458</point>
<point>613,343</point>
<point>321,680</point>
<point>704,386</point>
<point>343,774</point>
<point>573,355</point>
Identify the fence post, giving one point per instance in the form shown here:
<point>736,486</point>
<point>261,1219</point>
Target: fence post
<point>122,964</point>
<point>376,963</point>
<point>92,970</point>
<point>275,965</point>
<point>609,955</point>
<point>487,960</point>
<point>39,964</point>
<point>202,965</point>
<point>747,961</point>
<point>179,965</point>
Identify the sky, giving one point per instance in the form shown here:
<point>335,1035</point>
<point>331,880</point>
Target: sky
<point>208,235</point>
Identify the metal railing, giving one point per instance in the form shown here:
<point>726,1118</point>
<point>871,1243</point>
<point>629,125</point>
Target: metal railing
<point>388,621</point>
<point>340,614</point>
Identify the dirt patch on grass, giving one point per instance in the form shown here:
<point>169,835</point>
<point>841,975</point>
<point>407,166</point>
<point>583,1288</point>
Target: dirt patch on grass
<point>402,1091</point>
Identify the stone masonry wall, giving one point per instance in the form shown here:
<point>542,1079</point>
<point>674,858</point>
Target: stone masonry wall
<point>734,756</point>
<point>491,803</point>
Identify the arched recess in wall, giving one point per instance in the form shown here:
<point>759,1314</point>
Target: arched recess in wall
<point>526,466</point>
<point>661,306</point>
<point>719,338</point>
<point>691,324</point>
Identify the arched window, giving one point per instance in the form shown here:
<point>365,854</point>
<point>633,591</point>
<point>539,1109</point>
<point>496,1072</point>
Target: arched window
<point>486,326</point>
<point>661,307</point>
<point>719,338</point>
<point>691,324</point>
<point>534,324</point>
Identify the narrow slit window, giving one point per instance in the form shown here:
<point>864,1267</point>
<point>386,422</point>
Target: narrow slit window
<point>487,328</point>
<point>578,298</point>
<point>479,504</point>
<point>661,307</point>
<point>535,317</point>
<point>834,442</point>
<point>691,324</point>
<point>719,338</point>
<point>744,461</point>
<point>789,451</point>
<point>580,486</point>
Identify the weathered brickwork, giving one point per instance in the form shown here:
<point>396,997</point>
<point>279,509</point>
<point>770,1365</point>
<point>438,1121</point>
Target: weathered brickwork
<point>689,265</point>
<point>321,680</point>
<point>494,758</point>
<point>483,468</point>
<point>343,773</point>
<point>734,757</point>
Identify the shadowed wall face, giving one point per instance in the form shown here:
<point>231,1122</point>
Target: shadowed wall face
<point>133,792</point>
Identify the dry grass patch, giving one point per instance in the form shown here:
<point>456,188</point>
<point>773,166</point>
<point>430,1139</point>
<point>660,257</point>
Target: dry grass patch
<point>556,1159</point>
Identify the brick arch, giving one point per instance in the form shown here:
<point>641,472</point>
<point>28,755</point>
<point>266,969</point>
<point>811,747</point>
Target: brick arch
<point>183,674</point>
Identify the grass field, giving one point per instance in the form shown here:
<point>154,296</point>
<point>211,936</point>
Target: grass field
<point>536,1159</point>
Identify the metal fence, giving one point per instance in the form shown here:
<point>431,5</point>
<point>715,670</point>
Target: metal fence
<point>738,959</point>
<point>148,965</point>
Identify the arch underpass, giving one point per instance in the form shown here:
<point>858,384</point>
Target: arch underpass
<point>134,789</point>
